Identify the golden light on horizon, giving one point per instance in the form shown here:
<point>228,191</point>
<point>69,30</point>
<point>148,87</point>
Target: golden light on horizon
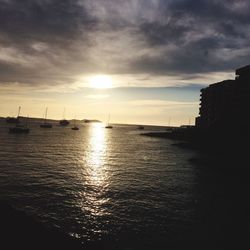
<point>101,82</point>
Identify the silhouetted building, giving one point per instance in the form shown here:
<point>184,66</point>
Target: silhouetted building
<point>225,104</point>
<point>243,73</point>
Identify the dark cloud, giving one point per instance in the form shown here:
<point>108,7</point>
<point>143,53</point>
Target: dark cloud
<point>53,40</point>
<point>42,20</point>
<point>37,36</point>
<point>159,34</point>
<point>200,30</point>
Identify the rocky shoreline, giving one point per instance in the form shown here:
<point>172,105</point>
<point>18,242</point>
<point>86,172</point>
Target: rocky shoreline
<point>216,148</point>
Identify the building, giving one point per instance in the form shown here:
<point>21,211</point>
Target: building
<point>226,104</point>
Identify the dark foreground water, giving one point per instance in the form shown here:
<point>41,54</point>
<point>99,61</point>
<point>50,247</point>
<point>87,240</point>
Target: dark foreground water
<point>115,184</point>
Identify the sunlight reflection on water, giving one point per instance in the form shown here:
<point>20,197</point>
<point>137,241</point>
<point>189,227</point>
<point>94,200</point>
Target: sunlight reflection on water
<point>96,171</point>
<point>97,155</point>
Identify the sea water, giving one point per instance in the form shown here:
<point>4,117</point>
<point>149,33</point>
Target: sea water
<point>99,183</point>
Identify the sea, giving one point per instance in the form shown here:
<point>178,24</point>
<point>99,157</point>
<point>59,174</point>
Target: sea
<point>120,186</point>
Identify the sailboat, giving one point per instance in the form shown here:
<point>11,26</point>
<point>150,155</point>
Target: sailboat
<point>140,127</point>
<point>108,124</point>
<point>19,128</point>
<point>46,124</point>
<point>64,122</point>
<point>13,119</point>
<point>75,127</point>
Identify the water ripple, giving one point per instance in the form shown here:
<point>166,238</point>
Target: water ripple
<point>97,182</point>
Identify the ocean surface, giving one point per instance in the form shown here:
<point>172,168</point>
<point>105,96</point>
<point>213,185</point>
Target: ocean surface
<point>96,184</point>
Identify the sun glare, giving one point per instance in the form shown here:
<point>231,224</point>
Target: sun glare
<point>101,82</point>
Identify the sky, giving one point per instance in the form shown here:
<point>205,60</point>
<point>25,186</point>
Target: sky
<point>141,61</point>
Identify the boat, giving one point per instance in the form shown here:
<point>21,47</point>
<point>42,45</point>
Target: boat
<point>46,124</point>
<point>64,122</point>
<point>140,127</point>
<point>14,120</point>
<point>108,124</point>
<point>19,128</point>
<point>75,127</point>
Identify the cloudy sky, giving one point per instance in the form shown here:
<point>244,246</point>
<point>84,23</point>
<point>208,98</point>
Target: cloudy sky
<point>155,54</point>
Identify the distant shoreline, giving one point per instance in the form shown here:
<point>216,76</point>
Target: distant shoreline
<point>39,119</point>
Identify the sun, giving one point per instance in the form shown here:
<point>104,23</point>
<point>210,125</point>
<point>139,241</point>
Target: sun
<point>100,82</point>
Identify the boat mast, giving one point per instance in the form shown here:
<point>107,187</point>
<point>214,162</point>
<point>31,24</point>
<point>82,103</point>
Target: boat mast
<point>26,124</point>
<point>108,119</point>
<point>45,115</point>
<point>64,113</point>
<point>169,120</point>
<point>19,110</point>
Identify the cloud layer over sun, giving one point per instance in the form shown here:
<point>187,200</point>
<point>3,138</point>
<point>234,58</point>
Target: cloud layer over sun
<point>139,42</point>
